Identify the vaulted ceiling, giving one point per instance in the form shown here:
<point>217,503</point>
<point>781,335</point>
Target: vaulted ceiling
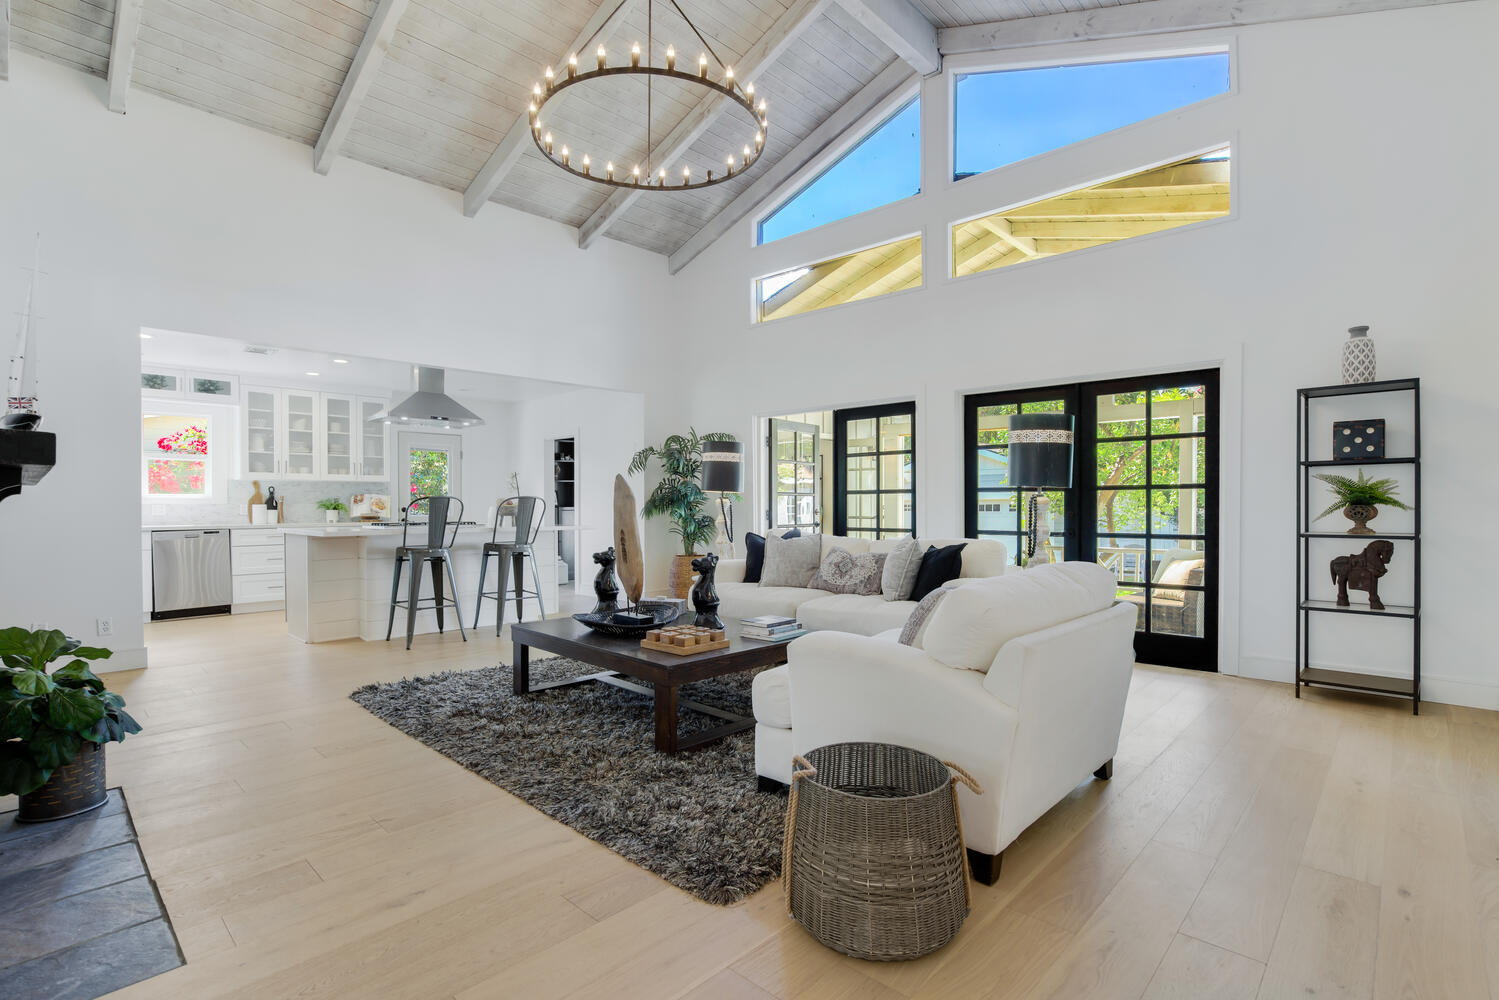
<point>437,89</point>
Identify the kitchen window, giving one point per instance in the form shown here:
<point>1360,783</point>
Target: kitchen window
<point>177,455</point>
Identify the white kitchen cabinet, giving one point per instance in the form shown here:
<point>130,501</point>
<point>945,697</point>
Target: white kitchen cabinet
<point>300,434</point>
<point>258,569</point>
<point>374,440</point>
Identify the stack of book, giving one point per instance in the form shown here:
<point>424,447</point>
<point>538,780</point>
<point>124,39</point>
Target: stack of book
<point>770,628</point>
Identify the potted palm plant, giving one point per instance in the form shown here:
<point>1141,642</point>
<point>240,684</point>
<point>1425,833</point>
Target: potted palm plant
<point>678,495</point>
<point>53,725</point>
<point>1359,499</point>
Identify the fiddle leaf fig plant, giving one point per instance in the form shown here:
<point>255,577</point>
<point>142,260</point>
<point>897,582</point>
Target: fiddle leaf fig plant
<point>678,494</point>
<point>47,717</point>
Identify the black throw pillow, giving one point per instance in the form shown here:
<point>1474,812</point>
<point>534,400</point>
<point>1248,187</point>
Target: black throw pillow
<point>754,553</point>
<point>938,566</point>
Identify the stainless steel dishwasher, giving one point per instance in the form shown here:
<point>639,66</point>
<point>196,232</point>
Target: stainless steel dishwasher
<point>190,573</point>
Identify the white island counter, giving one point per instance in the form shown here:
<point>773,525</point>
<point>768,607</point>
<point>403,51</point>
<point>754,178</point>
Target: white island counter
<point>338,580</point>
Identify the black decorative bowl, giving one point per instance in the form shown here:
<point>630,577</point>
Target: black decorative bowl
<point>661,614</point>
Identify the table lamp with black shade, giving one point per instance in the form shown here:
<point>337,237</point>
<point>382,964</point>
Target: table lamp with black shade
<point>723,473</point>
<point>1040,459</point>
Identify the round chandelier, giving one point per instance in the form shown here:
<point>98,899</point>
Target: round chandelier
<point>649,176</point>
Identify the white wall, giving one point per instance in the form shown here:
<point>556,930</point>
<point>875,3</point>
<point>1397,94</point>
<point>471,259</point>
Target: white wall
<point>1363,153</point>
<point>171,218</point>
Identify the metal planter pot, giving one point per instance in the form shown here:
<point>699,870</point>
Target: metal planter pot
<point>74,788</point>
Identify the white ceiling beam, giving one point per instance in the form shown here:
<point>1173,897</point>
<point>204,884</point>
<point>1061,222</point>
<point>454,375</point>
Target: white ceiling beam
<point>490,176</point>
<point>901,27</point>
<point>122,52</point>
<point>875,93</point>
<point>1001,228</point>
<point>1155,18</point>
<point>4,39</point>
<point>687,131</point>
<point>357,82</point>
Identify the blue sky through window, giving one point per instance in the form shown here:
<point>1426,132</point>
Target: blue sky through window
<point>1007,116</point>
<point>884,167</point>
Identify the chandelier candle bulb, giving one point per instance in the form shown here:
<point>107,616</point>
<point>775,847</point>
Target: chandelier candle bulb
<point>749,90</point>
<point>535,90</point>
<point>586,163</point>
<point>572,65</point>
<point>702,66</point>
<point>661,178</point>
<point>564,156</point>
<point>635,55</point>
<point>728,76</point>
<point>609,170</point>
<point>547,141</point>
<point>603,61</point>
<point>550,77</point>
<point>671,58</point>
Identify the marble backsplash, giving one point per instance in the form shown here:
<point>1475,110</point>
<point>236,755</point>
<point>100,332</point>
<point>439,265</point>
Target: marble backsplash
<point>300,497</point>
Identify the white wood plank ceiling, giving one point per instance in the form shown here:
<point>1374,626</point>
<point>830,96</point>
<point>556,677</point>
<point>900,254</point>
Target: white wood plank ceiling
<point>433,87</point>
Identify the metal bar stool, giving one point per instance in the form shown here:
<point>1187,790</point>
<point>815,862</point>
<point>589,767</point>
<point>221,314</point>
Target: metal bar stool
<point>442,532</point>
<point>529,512</point>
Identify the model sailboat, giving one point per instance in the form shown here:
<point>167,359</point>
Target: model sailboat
<point>20,389</point>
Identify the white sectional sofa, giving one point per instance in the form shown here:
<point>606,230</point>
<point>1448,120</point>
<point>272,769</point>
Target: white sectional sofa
<point>819,610</point>
<point>1021,680</point>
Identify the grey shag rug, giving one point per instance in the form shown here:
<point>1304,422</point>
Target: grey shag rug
<point>583,755</point>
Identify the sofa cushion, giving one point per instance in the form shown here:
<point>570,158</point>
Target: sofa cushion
<point>842,572</point>
<point>791,562</point>
<point>771,692</point>
<point>754,552</point>
<point>937,567</point>
<point>971,624</point>
<point>982,557</point>
<point>853,613</point>
<point>749,600</point>
<point>901,564</point>
<point>915,627</point>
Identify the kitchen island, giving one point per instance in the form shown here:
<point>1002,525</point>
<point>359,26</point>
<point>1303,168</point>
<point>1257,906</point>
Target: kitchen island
<point>338,580</point>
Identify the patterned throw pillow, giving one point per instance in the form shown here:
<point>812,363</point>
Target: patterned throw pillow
<point>915,628</point>
<point>845,573</point>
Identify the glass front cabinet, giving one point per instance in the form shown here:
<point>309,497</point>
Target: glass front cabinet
<point>300,434</point>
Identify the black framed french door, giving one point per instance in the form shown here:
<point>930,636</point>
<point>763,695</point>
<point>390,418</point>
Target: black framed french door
<point>874,471</point>
<point>1143,502</point>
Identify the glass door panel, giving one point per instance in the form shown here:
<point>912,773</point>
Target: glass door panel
<point>301,434</point>
<point>338,437</point>
<point>261,432</point>
<point>995,509</point>
<point>793,467</point>
<point>874,494</point>
<point>372,440</point>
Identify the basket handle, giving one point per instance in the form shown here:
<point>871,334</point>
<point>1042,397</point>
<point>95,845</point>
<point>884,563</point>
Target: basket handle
<point>803,769</point>
<point>958,774</point>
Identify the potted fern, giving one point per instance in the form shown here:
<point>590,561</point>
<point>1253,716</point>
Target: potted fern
<point>678,496</point>
<point>1359,499</point>
<point>53,725</point>
<point>331,508</point>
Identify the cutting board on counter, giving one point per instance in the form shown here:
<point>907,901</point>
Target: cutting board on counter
<point>255,498</point>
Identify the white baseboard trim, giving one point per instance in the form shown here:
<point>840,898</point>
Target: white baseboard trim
<point>1445,690</point>
<point>123,659</point>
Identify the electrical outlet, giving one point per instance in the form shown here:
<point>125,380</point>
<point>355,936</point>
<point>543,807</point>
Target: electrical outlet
<point>106,626</point>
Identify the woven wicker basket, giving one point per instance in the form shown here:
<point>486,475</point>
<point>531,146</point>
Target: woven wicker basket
<point>873,864</point>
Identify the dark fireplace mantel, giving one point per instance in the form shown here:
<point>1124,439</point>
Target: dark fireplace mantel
<point>25,457</point>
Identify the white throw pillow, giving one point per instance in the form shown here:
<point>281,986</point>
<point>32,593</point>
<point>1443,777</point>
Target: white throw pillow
<point>791,562</point>
<point>971,624</point>
<point>901,566</point>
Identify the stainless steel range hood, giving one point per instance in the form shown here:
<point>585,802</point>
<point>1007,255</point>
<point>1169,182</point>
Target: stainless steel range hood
<point>429,405</point>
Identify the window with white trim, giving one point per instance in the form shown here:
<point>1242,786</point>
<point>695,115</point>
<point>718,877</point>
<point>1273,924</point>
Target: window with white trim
<point>1005,116</point>
<point>177,455</point>
<point>884,167</point>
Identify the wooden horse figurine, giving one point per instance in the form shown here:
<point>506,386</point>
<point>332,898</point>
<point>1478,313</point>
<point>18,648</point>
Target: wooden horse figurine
<point>704,594</point>
<point>604,587</point>
<point>1362,572</point>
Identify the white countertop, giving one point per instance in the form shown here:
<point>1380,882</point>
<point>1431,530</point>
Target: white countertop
<point>234,526</point>
<point>351,530</point>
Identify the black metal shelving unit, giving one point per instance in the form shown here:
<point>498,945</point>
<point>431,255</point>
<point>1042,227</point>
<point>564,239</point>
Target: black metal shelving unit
<point>1307,609</point>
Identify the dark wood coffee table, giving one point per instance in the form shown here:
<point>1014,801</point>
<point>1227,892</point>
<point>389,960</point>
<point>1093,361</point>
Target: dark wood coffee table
<point>645,671</point>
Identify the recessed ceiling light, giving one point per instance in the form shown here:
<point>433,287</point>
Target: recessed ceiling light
<point>310,373</point>
<point>340,361</point>
<point>145,336</point>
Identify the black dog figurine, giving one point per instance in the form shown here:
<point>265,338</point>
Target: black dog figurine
<point>604,587</point>
<point>704,594</point>
<point>1362,572</point>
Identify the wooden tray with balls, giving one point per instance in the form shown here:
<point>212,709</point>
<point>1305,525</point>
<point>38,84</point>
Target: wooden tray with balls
<point>685,640</point>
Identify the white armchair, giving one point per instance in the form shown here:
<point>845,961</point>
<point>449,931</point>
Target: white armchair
<point>1045,714</point>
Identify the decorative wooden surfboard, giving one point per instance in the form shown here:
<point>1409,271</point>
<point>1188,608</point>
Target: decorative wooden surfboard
<point>629,559</point>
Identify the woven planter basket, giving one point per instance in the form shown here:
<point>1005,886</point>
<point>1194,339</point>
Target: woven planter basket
<point>874,864</point>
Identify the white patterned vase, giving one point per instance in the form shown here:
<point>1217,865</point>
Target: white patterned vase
<point>1358,356</point>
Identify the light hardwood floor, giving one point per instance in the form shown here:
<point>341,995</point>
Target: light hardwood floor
<point>1249,845</point>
